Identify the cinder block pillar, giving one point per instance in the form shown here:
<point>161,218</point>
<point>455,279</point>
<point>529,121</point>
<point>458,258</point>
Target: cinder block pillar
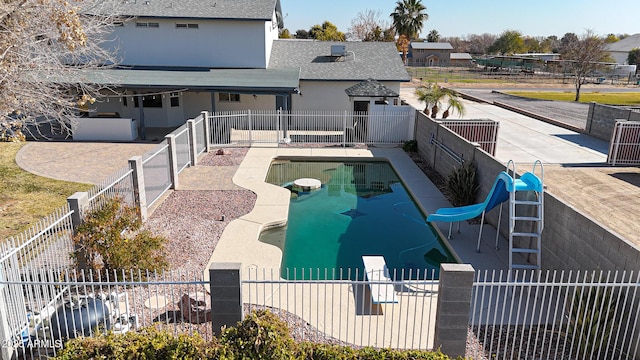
<point>207,130</point>
<point>78,203</point>
<point>226,295</point>
<point>454,305</point>
<point>173,160</point>
<point>135,163</point>
<point>193,147</point>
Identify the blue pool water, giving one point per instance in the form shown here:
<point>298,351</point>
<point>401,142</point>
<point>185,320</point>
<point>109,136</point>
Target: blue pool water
<point>361,209</point>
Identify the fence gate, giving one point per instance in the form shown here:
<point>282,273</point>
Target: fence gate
<point>624,147</point>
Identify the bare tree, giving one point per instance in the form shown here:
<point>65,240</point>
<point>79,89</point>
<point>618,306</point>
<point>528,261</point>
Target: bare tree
<point>584,55</point>
<point>46,47</point>
<point>369,26</point>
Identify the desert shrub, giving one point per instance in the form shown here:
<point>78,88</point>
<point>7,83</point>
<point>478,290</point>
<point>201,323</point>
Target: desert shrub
<point>410,146</point>
<point>261,335</point>
<point>148,343</point>
<point>462,185</point>
<point>110,238</point>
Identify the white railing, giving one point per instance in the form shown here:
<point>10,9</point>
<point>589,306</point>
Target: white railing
<point>241,128</point>
<point>119,184</point>
<point>624,147</point>
<point>555,315</point>
<point>118,301</point>
<point>482,132</point>
<point>342,311</point>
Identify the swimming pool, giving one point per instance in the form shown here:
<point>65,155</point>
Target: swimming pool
<point>361,209</point>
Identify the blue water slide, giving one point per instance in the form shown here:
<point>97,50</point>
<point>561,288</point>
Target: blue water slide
<point>502,186</point>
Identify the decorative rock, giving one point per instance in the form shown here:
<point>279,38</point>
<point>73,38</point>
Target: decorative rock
<point>195,308</point>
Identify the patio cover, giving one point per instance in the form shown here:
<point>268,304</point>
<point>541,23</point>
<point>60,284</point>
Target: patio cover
<point>252,81</point>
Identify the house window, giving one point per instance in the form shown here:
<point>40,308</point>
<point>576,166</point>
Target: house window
<point>149,101</point>
<point>227,97</point>
<point>174,99</point>
<point>147,24</point>
<point>124,101</point>
<point>187,26</point>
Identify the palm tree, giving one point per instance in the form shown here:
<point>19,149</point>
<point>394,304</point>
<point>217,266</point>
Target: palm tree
<point>408,18</point>
<point>433,95</point>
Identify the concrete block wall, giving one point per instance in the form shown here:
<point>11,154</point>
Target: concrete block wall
<point>602,118</point>
<point>570,240</point>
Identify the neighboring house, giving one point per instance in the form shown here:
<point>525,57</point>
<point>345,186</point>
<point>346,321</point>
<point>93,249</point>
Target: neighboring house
<point>181,57</point>
<point>619,50</point>
<point>460,59</point>
<point>429,54</point>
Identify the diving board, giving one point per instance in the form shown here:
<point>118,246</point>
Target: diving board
<point>382,290</point>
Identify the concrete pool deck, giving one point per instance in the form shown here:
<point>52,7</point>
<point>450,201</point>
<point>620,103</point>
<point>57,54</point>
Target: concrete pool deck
<point>260,261</point>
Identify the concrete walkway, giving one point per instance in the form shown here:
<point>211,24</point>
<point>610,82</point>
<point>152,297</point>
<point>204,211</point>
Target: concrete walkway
<point>83,162</point>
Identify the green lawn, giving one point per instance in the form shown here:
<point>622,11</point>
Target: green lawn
<point>610,98</point>
<point>26,198</point>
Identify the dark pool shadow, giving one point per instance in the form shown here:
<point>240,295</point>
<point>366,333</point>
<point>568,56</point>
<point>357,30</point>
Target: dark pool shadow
<point>363,300</point>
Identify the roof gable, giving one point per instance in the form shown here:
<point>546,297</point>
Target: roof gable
<point>370,88</point>
<point>364,60</point>
<point>205,9</point>
<point>625,45</point>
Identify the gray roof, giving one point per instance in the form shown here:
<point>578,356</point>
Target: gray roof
<point>364,60</point>
<point>625,45</point>
<point>460,56</point>
<point>370,88</point>
<point>236,80</point>
<point>203,9</point>
<point>431,46</point>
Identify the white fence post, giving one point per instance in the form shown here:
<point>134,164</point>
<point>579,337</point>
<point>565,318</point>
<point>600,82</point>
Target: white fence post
<point>173,160</point>
<point>7,349</point>
<point>344,129</point>
<point>207,130</point>
<point>250,126</point>
<point>193,150</point>
<point>138,185</point>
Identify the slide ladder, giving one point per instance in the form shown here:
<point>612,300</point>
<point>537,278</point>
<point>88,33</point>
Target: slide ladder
<point>526,218</point>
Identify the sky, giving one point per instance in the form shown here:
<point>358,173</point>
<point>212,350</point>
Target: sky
<point>463,17</point>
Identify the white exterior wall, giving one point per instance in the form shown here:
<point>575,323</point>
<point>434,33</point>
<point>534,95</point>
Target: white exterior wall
<point>216,43</point>
<point>247,102</point>
<point>328,95</point>
<point>195,102</point>
<point>270,33</point>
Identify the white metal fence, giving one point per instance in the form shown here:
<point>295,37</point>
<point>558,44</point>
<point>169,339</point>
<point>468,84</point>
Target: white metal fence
<point>483,132</point>
<point>327,127</point>
<point>555,315</point>
<point>624,147</point>
<point>343,311</point>
<point>116,301</point>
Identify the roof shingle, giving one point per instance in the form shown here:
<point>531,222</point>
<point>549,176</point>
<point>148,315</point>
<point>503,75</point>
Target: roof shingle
<point>364,60</point>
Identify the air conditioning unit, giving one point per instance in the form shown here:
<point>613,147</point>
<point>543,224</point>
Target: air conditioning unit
<point>338,50</point>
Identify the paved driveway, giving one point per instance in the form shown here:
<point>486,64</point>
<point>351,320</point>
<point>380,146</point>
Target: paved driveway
<point>78,161</point>
<point>575,164</point>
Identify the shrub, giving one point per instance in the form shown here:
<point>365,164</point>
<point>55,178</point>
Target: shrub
<point>410,146</point>
<point>462,185</point>
<point>110,239</point>
<point>261,335</point>
<point>148,343</point>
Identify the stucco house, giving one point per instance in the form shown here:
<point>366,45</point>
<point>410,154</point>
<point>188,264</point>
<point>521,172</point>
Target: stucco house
<point>619,50</point>
<point>429,53</point>
<point>179,58</point>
